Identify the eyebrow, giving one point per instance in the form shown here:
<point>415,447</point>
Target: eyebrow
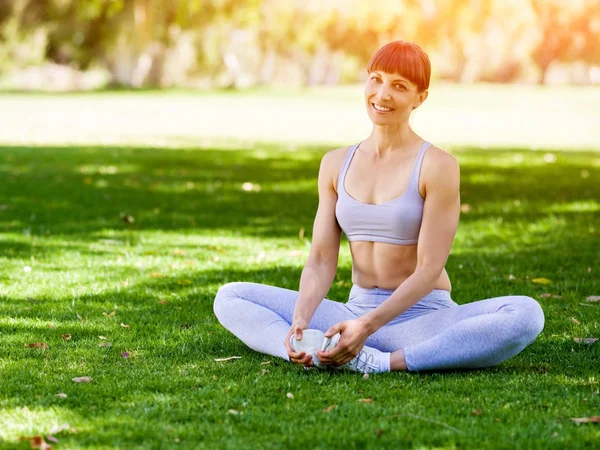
<point>394,81</point>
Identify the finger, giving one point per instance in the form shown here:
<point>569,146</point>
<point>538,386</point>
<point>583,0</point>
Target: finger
<point>306,360</point>
<point>337,328</point>
<point>296,355</point>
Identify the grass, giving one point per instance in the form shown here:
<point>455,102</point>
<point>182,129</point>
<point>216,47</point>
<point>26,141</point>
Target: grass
<point>73,262</point>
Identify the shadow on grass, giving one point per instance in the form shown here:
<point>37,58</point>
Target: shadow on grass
<point>264,192</point>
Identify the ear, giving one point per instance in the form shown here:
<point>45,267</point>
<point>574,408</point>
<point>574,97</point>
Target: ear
<point>422,96</point>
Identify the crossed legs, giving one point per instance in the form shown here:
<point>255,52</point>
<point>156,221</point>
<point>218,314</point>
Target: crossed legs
<point>473,335</point>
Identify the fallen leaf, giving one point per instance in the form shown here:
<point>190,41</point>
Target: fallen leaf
<point>264,371</point>
<point>593,419</point>
<point>365,400</point>
<point>105,344</point>
<point>157,275</point>
<point>477,412</point>
<point>82,379</point>
<point>264,363</point>
<point>555,434</point>
<point>549,295</point>
<point>227,359</point>
<point>541,280</point>
<point>65,337</point>
<point>127,218</point>
<point>378,432</point>
<point>575,321</point>
<point>102,337</point>
<point>593,298</point>
<point>184,281</point>
<point>39,442</point>
<point>125,355</point>
<point>52,439</point>
<point>301,233</point>
<point>50,325</point>
<point>235,412</point>
<point>162,302</point>
<point>37,345</point>
<point>59,428</point>
<point>61,395</point>
<point>112,314</point>
<point>366,376</point>
<point>585,340</point>
<point>178,252</point>
<point>465,208</point>
<point>290,395</point>
<point>329,409</point>
<point>124,325</point>
<point>80,318</point>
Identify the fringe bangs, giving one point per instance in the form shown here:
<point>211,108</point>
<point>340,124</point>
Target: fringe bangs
<point>405,59</point>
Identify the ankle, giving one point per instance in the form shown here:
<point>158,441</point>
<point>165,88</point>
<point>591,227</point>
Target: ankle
<point>397,361</point>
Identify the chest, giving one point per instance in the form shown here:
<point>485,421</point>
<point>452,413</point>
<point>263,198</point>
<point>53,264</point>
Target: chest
<point>379,181</point>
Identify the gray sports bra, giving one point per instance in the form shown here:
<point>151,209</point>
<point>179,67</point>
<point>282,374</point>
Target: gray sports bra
<point>395,222</point>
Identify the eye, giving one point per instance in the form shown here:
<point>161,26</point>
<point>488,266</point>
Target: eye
<point>374,78</point>
<point>400,86</point>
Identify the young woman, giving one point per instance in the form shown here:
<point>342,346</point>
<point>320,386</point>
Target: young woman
<point>396,197</point>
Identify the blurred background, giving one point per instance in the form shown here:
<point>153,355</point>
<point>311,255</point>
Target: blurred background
<point>504,72</point>
<point>86,44</point>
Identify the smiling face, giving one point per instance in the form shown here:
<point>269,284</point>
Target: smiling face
<point>398,80</point>
<point>390,98</point>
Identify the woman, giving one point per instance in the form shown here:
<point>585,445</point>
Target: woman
<point>396,197</point>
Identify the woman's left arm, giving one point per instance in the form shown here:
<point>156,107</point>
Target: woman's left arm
<point>441,211</point>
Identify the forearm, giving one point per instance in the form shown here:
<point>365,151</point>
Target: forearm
<point>414,288</point>
<point>315,282</point>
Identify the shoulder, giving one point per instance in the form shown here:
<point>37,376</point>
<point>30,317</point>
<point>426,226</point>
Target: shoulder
<point>440,169</point>
<point>331,164</point>
<point>335,157</point>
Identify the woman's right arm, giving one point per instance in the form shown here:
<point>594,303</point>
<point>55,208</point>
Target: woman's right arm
<point>320,268</point>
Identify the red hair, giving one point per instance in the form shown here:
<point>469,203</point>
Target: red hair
<point>405,59</point>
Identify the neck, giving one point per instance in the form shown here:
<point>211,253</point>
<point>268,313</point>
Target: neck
<point>386,139</point>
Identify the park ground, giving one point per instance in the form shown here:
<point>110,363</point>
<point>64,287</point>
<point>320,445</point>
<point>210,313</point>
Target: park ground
<point>122,213</point>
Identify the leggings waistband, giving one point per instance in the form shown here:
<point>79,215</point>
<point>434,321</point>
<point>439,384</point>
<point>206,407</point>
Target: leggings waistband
<point>440,294</point>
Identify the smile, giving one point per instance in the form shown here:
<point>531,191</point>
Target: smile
<point>381,108</point>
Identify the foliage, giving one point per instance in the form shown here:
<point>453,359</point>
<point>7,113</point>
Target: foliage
<point>166,42</point>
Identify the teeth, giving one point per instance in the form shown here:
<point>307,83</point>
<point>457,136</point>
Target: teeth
<point>381,108</point>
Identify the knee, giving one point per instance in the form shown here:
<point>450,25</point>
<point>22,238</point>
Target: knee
<point>530,317</point>
<point>225,294</point>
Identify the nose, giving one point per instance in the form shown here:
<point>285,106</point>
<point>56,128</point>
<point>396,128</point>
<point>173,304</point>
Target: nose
<point>383,92</point>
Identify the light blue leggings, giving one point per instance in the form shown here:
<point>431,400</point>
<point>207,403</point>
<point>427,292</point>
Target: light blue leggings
<point>435,333</point>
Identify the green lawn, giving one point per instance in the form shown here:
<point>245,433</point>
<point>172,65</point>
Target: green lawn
<point>131,243</point>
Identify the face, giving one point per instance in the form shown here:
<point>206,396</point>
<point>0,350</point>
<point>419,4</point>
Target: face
<point>390,98</point>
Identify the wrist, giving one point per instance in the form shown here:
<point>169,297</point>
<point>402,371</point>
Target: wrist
<point>299,320</point>
<point>368,323</point>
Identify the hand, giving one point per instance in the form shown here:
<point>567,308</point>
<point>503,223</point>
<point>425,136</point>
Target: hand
<point>354,334</point>
<point>297,357</point>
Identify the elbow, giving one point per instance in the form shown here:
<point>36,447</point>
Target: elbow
<point>429,273</point>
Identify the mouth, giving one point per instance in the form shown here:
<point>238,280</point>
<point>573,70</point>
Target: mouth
<point>381,108</point>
